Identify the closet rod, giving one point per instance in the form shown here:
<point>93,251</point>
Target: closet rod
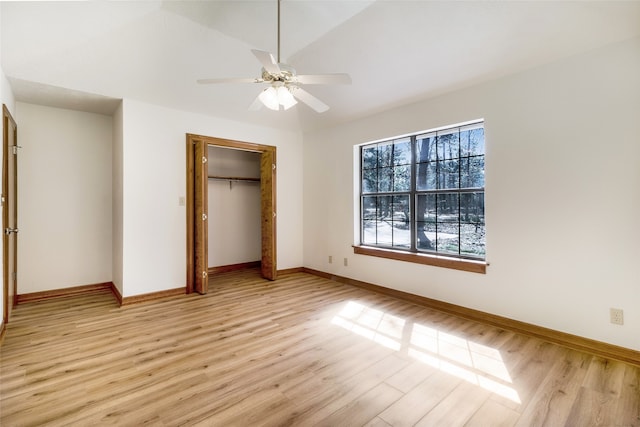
<point>232,178</point>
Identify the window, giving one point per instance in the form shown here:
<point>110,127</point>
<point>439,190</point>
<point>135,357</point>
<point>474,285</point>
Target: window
<point>424,193</point>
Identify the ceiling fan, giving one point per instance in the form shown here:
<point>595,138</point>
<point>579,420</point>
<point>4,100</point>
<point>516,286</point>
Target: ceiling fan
<point>284,84</point>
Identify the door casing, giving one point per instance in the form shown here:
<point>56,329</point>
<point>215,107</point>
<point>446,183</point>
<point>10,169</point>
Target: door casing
<point>197,214</point>
<point>9,213</point>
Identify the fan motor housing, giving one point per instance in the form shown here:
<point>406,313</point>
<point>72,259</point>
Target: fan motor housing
<point>286,75</point>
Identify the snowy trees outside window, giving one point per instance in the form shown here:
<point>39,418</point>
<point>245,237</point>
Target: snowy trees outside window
<point>425,192</point>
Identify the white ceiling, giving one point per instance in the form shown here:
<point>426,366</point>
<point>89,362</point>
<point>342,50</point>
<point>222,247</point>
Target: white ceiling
<point>82,55</point>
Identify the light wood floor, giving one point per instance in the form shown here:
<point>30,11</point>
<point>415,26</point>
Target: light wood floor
<point>299,351</point>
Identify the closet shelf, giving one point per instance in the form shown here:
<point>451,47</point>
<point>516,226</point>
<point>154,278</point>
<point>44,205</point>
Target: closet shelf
<point>234,178</point>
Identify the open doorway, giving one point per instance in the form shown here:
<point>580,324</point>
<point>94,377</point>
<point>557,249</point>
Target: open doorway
<point>234,209</point>
<point>197,207</point>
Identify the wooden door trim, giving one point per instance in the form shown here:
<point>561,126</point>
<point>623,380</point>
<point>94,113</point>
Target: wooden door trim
<point>6,120</point>
<point>200,217</point>
<point>267,219</point>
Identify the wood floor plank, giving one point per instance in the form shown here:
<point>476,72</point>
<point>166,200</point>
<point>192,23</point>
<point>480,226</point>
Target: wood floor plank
<point>593,408</point>
<point>411,376</point>
<point>415,404</point>
<point>628,411</point>
<point>493,414</point>
<point>298,351</point>
<point>530,365</point>
<point>363,408</point>
<point>605,376</point>
<point>377,422</point>
<point>553,401</point>
<point>457,407</point>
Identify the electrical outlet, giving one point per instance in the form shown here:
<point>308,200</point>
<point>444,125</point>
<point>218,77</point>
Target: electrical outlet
<point>346,263</point>
<point>330,259</point>
<point>617,316</point>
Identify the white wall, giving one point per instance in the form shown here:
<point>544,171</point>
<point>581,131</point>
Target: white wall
<point>7,94</point>
<point>154,171</point>
<point>64,198</point>
<point>116,205</point>
<point>234,208</point>
<point>562,196</point>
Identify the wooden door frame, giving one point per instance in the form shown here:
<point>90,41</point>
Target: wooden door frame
<point>7,120</point>
<point>268,202</point>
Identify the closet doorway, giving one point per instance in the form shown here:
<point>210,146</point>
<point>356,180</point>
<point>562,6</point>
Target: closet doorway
<point>197,207</point>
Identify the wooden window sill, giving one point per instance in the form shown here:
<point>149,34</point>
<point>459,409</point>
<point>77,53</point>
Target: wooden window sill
<point>426,259</point>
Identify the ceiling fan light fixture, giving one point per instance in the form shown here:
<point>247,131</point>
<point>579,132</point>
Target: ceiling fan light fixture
<point>285,98</point>
<point>269,98</point>
<point>273,97</point>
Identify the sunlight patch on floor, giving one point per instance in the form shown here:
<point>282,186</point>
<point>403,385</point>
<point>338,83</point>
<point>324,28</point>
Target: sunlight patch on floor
<point>382,328</point>
<point>473,362</point>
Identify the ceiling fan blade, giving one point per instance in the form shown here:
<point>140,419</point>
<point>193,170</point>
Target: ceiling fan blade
<point>324,79</point>
<point>309,99</point>
<point>267,61</point>
<point>211,81</point>
<point>256,104</point>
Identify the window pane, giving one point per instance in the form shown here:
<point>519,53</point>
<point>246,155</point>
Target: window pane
<point>472,240</point>
<point>385,179</point>
<point>369,233</point>
<point>472,142</point>
<point>426,236</point>
<point>426,207</point>
<point>369,180</point>
<point>402,152</point>
<point>426,176</point>
<point>472,172</point>
<point>402,178</point>
<point>472,208</point>
<point>369,156</point>
<point>383,213</point>
<point>401,216</point>
<point>425,148</point>
<point>426,221</point>
<point>369,204</point>
<point>385,152</point>
<point>384,217</point>
<point>448,174</point>
<point>447,239</point>
<point>447,208</point>
<point>448,146</point>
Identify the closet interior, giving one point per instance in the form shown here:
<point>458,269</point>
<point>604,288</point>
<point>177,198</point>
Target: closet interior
<point>234,209</point>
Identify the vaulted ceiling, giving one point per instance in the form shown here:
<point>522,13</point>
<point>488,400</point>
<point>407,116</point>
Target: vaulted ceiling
<point>83,55</point>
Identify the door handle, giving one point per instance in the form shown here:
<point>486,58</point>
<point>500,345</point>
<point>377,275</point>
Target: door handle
<point>9,230</point>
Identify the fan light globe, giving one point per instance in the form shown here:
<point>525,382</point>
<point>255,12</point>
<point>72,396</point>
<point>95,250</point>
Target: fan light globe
<point>273,97</point>
<point>285,98</point>
<point>269,98</point>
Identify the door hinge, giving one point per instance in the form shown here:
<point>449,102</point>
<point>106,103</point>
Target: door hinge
<point>204,159</point>
<point>204,274</point>
<point>204,216</point>
<point>15,276</point>
<point>14,149</point>
<point>273,166</point>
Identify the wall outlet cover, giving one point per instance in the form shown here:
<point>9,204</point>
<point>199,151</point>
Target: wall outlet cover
<point>617,316</point>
